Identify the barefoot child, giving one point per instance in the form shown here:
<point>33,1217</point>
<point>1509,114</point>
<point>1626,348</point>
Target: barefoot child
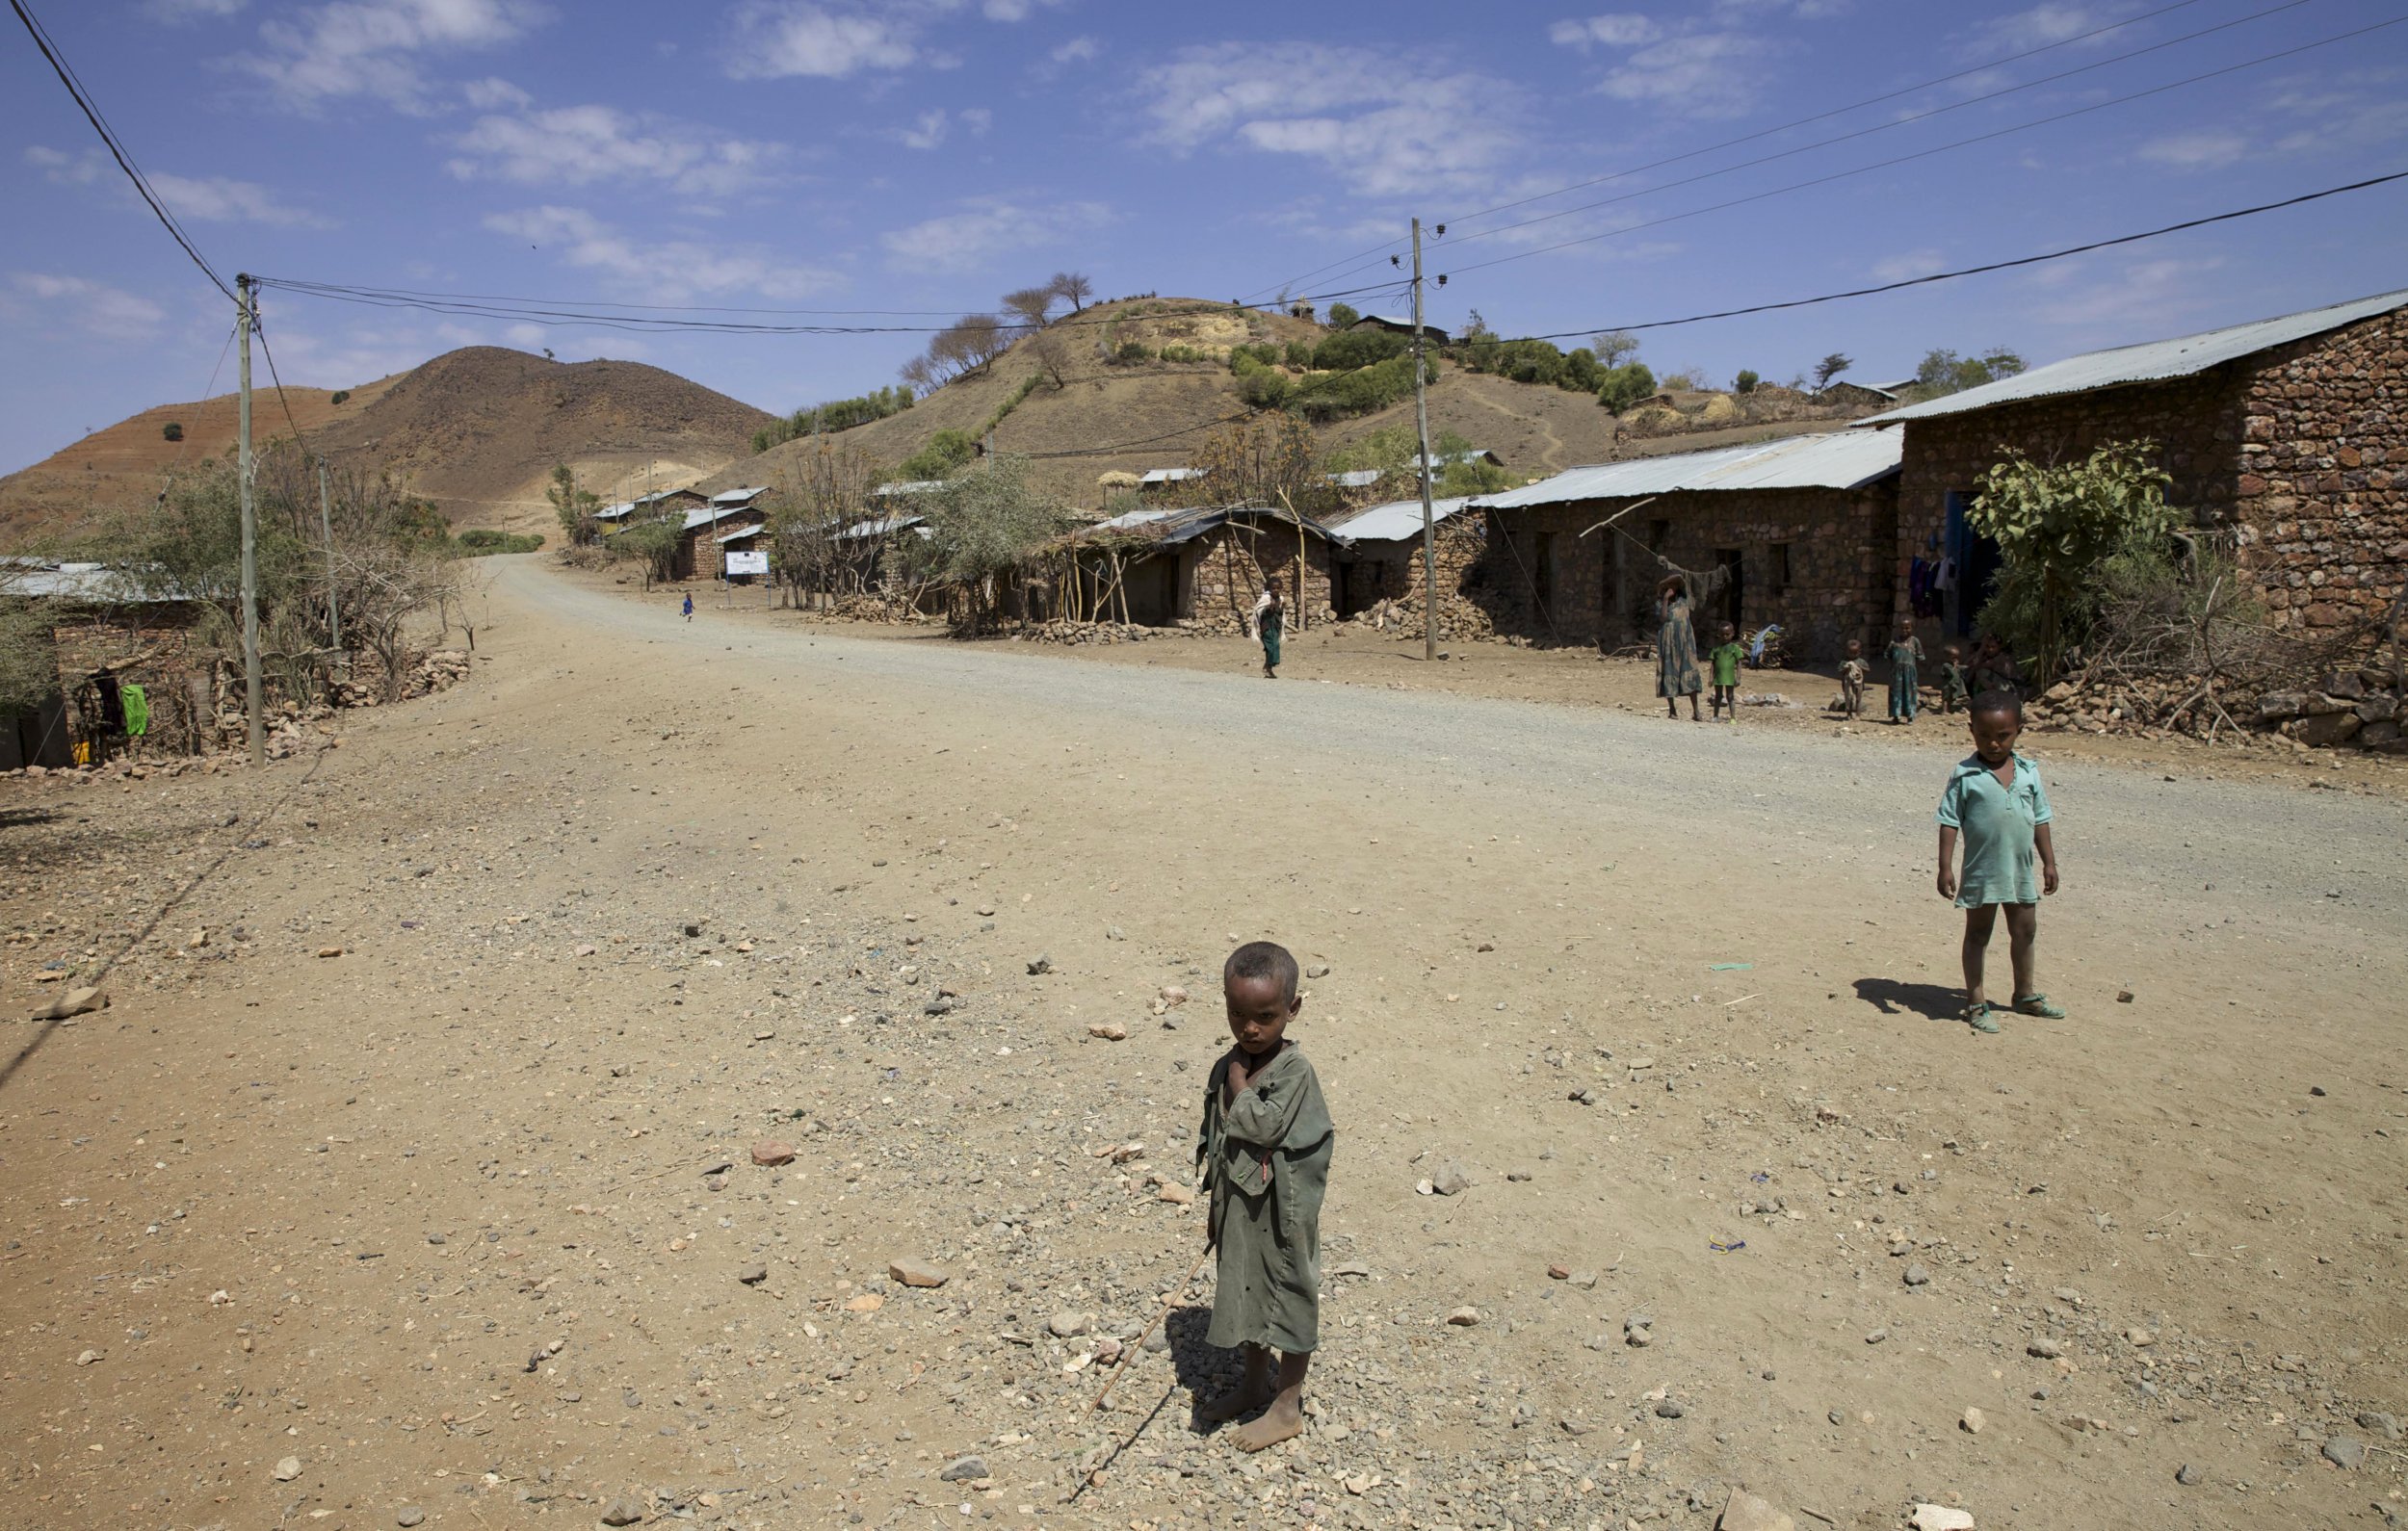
<point>1726,656</point>
<point>1265,1147</point>
<point>1995,800</point>
<point>1906,657</point>
<point>1852,681</point>
<point>1953,679</point>
<point>1271,617</point>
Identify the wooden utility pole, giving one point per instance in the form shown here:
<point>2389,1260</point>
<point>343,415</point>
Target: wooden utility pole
<point>1421,423</point>
<point>246,316</point>
<point>326,527</point>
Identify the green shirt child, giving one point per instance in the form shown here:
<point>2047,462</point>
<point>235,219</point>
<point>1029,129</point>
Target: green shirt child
<point>1727,657</point>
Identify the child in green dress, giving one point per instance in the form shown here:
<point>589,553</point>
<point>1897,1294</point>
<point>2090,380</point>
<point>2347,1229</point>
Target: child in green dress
<point>1996,803</point>
<point>1953,690</point>
<point>1264,1149</point>
<point>1726,656</point>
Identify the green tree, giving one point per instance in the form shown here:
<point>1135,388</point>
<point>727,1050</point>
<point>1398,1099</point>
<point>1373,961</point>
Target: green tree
<point>342,395</point>
<point>173,431</point>
<point>574,506</point>
<point>29,662</point>
<point>1830,367</point>
<point>946,452</point>
<point>1351,349</point>
<point>1341,315</point>
<point>1613,348</point>
<point>652,546</point>
<point>1626,385</point>
<point>1945,372</point>
<point>983,528</point>
<point>2056,525</point>
<point>1746,383</point>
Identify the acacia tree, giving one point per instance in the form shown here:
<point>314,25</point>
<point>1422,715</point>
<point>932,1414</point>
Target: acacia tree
<point>1613,348</point>
<point>2056,524</point>
<point>821,492</point>
<point>574,506</point>
<point>652,547</point>
<point>1831,367</point>
<point>1031,306</point>
<point>983,528</point>
<point>1072,288</point>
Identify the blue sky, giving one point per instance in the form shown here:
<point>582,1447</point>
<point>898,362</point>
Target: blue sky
<point>929,154</point>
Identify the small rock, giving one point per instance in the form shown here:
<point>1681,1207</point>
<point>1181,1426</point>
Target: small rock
<point>1318,970</point>
<point>753,1275</point>
<point>2188,1475</point>
<point>1464,1317</point>
<point>1040,964</point>
<point>87,1357</point>
<point>73,1002</point>
<point>1670,1409</point>
<point>1639,1338</point>
<point>1450,1181</point>
<point>1176,1194</point>
<point>866,1303</point>
<point>2345,1452</point>
<point>1067,1325</point>
<point>770,1153</point>
<point>288,1469</point>
<point>329,952</point>
<point>1520,1178</point>
<point>2383,1424</point>
<point>1744,1512</point>
<point>1917,1275</point>
<point>2044,1348</point>
<point>1559,1273</point>
<point>1973,1421</point>
<point>962,1469</point>
<point>410,1515</point>
<point>2139,1337</point>
<point>1585,1279</point>
<point>586,950</point>
<point>1877,1336</point>
<point>918,1273</point>
<point>2123,997</point>
<point>624,1511</point>
<point>1109,1031</point>
<point>1941,1517</point>
<point>1173,995</point>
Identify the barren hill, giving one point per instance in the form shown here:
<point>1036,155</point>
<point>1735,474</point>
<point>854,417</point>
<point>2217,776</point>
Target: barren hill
<point>1107,415</point>
<point>476,430</point>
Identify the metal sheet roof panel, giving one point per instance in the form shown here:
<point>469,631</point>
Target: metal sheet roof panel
<point>1398,520</point>
<point>2155,361</point>
<point>1833,461</point>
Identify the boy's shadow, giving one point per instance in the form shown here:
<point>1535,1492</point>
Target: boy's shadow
<point>1926,1000</point>
<point>1204,1370</point>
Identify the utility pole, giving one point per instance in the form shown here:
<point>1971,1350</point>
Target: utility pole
<point>326,525</point>
<point>246,316</point>
<point>1421,423</point>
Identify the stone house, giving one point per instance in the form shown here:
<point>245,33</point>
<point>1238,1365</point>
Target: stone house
<point>2286,441</point>
<point>707,533</point>
<point>1806,525</point>
<point>1381,556</point>
<point>1205,565</point>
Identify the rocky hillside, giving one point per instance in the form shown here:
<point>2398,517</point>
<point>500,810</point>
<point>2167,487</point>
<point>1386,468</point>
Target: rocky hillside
<point>476,430</point>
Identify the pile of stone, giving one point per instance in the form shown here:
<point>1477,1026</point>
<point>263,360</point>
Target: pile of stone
<point>1458,621</point>
<point>2357,708</point>
<point>1061,630</point>
<point>364,684</point>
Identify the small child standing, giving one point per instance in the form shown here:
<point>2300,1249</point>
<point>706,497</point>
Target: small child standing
<point>1726,656</point>
<point>1906,657</point>
<point>1852,680</point>
<point>1270,619</point>
<point>1265,1147</point>
<point>1953,680</point>
<point>688,608</point>
<point>1995,800</point>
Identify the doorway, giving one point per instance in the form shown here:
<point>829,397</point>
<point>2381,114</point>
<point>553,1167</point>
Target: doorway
<point>1734,585</point>
<point>1977,563</point>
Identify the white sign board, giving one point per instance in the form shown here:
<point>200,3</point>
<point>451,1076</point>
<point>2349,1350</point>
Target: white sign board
<point>749,562</point>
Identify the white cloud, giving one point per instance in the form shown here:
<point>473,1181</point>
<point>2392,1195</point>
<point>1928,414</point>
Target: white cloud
<point>665,268</point>
<point>96,309</point>
<point>1705,74</point>
<point>776,39</point>
<point>1078,50</point>
<point>930,129</point>
<point>1011,11</point>
<point>2145,295</point>
<point>2051,23</point>
<point>2206,149</point>
<point>927,133</point>
<point>206,198</point>
<point>1385,122</point>
<point>1907,264</point>
<point>175,13</point>
<point>988,227</point>
<point>370,47</point>
<point>978,119</point>
<point>1621,30</point>
<point>577,145</point>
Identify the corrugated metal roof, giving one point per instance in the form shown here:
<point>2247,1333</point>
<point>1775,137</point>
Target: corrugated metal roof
<point>882,526</point>
<point>2153,362</point>
<point>739,497</point>
<point>95,583</point>
<point>1171,528</point>
<point>1471,455</point>
<point>1832,460</point>
<point>704,515</point>
<point>1131,520</point>
<point>1356,478</point>
<point>1398,520</point>
<point>753,531</point>
<point>1171,474</point>
<point>613,512</point>
<point>909,486</point>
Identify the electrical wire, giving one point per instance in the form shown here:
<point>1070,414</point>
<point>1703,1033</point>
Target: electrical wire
<point>1750,138</point>
<point>1986,267</point>
<point>117,148</point>
<point>1921,154</point>
<point>267,352</point>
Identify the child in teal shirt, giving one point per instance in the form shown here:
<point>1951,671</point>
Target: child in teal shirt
<point>1726,657</point>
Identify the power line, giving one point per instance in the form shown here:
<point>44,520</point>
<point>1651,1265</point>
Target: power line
<point>1989,265</point>
<point>1923,154</point>
<point>117,150</point>
<point>1883,127</point>
<point>269,352</point>
<point>1750,138</point>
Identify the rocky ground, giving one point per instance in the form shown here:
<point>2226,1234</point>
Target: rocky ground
<point>429,1164</point>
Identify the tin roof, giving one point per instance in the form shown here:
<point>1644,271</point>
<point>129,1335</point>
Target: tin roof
<point>703,515</point>
<point>1171,474</point>
<point>754,530</point>
<point>739,497</point>
<point>1398,520</point>
<point>1830,461</point>
<point>864,531</point>
<point>2153,362</point>
<point>908,486</point>
<point>1171,528</point>
<point>1356,478</point>
<point>90,583</point>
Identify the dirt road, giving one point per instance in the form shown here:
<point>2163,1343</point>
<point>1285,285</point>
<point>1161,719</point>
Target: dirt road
<point>436,1228</point>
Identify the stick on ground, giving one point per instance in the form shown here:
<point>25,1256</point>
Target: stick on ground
<point>1168,1302</point>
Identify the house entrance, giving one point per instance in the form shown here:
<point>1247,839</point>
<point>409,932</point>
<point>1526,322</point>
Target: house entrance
<point>1977,564</point>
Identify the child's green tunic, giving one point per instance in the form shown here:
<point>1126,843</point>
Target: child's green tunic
<point>1999,828</point>
<point>1266,1160</point>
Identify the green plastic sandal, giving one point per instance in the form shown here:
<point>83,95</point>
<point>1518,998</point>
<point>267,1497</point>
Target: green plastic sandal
<point>2037,1005</point>
<point>1978,1017</point>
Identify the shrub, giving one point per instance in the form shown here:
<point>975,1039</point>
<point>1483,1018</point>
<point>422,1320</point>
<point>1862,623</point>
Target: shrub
<point>341,396</point>
<point>1581,375</point>
<point>837,414</point>
<point>1746,383</point>
<point>1688,379</point>
<point>1181,354</point>
<point>479,541</point>
<point>1267,351</point>
<point>1265,387</point>
<point>1357,347</point>
<point>173,431</point>
<point>1626,385</point>
<point>1359,392</point>
<point>1131,352</point>
<point>1299,353</point>
<point>2056,526</point>
<point>946,451</point>
<point>1341,315</point>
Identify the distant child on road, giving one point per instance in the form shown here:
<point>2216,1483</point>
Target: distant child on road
<point>1270,616</point>
<point>1996,803</point>
<point>1726,657</point>
<point>1953,680</point>
<point>690,608</point>
<point>1265,1147</point>
<point>1852,681</point>
<point>1906,657</point>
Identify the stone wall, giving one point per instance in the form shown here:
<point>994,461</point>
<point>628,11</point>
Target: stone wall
<point>2301,451</point>
<point>1818,561</point>
<point>1392,571</point>
<point>1221,572</point>
<point>702,555</point>
<point>2322,478</point>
